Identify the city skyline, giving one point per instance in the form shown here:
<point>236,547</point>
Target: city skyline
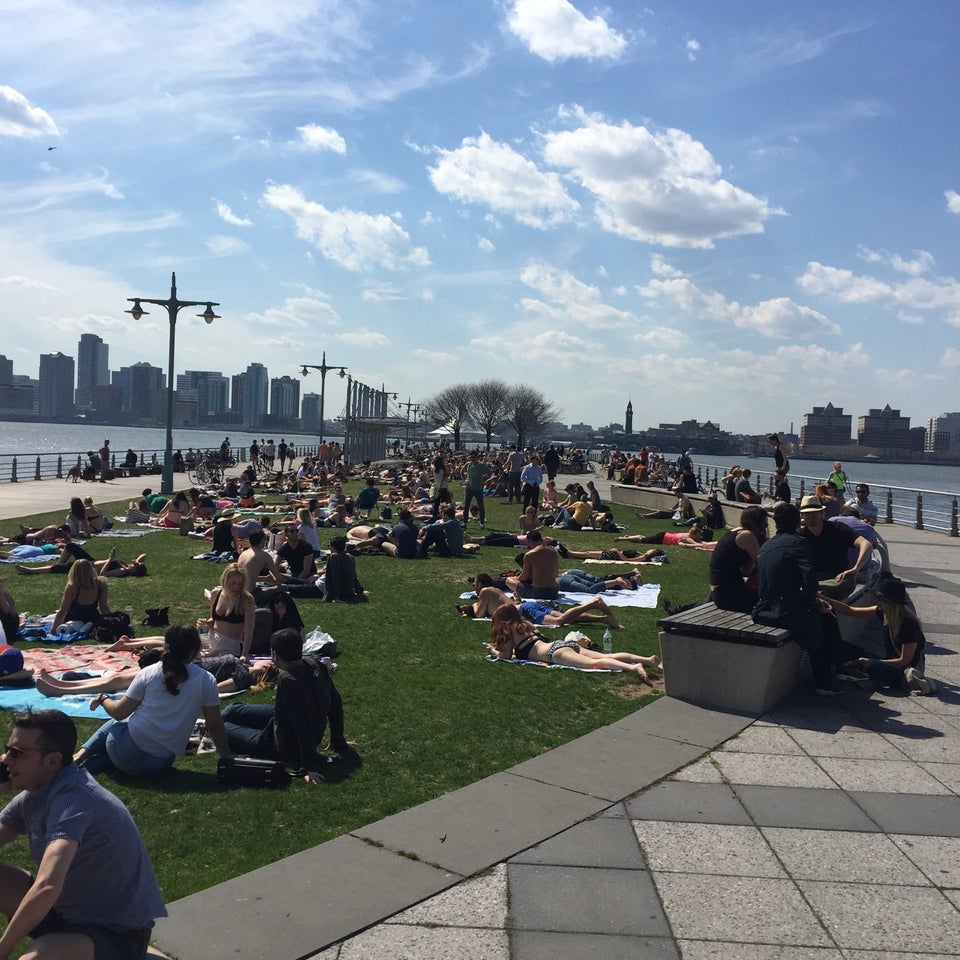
<point>748,209</point>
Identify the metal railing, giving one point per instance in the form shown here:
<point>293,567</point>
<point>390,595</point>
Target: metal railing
<point>15,468</point>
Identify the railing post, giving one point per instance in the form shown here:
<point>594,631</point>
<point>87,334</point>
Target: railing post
<point>954,531</point>
<point>919,524</point>
<point>802,482</point>
<point>889,506</point>
<point>13,471</point>
<point>36,475</point>
<point>60,466</point>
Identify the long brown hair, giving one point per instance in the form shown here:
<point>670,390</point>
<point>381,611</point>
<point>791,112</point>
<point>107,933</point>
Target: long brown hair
<point>506,622</point>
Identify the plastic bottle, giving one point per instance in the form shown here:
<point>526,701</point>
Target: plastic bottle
<point>607,641</point>
<point>128,610</point>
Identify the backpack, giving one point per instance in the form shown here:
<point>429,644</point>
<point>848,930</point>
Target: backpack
<point>113,626</point>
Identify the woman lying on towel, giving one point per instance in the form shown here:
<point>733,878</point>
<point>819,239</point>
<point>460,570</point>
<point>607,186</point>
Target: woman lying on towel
<point>232,675</point>
<point>111,567</point>
<point>512,636</point>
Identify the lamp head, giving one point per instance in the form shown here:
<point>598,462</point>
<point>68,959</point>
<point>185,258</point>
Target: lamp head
<point>304,371</point>
<point>136,311</point>
<point>342,373</point>
<point>208,315</point>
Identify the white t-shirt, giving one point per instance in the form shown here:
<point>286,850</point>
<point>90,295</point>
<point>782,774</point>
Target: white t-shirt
<point>162,724</point>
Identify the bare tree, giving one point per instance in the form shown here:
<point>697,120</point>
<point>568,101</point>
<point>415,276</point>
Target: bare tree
<point>528,411</point>
<point>449,408</point>
<point>489,403</point>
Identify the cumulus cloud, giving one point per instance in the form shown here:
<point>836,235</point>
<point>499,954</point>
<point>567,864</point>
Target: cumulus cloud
<point>940,294</point>
<point>922,261</point>
<point>228,216</point>
<point>486,244</point>
<point>306,312</point>
<point>693,49</point>
<point>659,187</point>
<point>950,358</point>
<point>778,317</point>
<point>953,201</point>
<point>19,119</point>
<point>316,138</point>
<point>556,30</point>
<point>351,238</point>
<point>568,300</point>
<point>481,170</point>
<point>364,338</point>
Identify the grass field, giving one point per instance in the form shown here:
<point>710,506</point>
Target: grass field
<point>428,712</point>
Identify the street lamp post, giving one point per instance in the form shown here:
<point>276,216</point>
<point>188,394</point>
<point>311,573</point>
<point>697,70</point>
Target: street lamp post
<point>323,368</point>
<point>173,307</point>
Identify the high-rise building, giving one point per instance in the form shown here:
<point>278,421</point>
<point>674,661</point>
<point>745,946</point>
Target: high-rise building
<point>826,426</point>
<point>310,412</point>
<point>255,389</point>
<point>56,385</point>
<point>146,397</point>
<point>943,434</point>
<point>211,391</point>
<point>6,371</point>
<point>93,367</point>
<point>284,398</point>
<point>884,429</point>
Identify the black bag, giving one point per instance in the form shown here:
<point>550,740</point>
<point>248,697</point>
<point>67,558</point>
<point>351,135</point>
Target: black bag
<point>157,617</point>
<point>252,772</point>
<point>113,626</point>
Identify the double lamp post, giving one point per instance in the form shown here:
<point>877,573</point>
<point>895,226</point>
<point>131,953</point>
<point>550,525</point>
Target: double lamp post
<point>173,306</point>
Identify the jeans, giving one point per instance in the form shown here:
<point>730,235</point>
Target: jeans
<point>112,746</point>
<point>564,518</point>
<point>250,730</point>
<point>531,495</point>
<point>477,495</point>
<point>577,581</point>
<point>883,674</point>
<point>434,536</point>
<point>514,487</point>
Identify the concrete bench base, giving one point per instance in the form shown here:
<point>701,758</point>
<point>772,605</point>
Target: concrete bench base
<point>725,675</point>
<point>721,659</point>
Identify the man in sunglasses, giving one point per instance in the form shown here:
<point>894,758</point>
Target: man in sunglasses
<point>94,895</point>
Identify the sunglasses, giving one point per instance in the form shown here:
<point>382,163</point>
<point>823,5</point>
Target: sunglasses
<point>15,753</point>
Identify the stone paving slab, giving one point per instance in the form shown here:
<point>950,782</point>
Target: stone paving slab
<point>688,802</point>
<point>602,842</point>
<point>711,950</point>
<point>677,720</point>
<point>585,900</point>
<point>333,890</point>
<point>392,942</point>
<point>932,816</point>
<point>535,945</point>
<point>609,763</point>
<point>802,808</point>
<point>471,829</point>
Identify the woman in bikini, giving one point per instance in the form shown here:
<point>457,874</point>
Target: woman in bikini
<point>84,597</point>
<point>512,636</point>
<point>232,615</point>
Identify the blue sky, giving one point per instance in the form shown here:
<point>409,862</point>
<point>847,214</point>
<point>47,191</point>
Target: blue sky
<point>732,211</point>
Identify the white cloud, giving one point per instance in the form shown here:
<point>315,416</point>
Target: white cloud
<point>364,338</point>
<point>486,244</point>
<point>661,338</point>
<point>482,170</point>
<point>351,238</point>
<point>377,182</point>
<point>228,216</point>
<point>922,262</point>
<point>570,301</point>
<point>953,201</point>
<point>657,187</point>
<point>693,49</point>
<point>917,293</point>
<point>383,294</point>
<point>19,119</point>
<point>950,358</point>
<point>778,317</point>
<point>221,246</point>
<point>302,313</point>
<point>316,138</point>
<point>557,30</point>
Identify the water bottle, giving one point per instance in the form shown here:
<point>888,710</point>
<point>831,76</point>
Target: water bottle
<point>128,610</point>
<point>607,641</point>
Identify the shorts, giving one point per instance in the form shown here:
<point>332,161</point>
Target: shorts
<point>527,592</point>
<point>559,645</point>
<point>109,943</point>
<point>534,612</point>
<point>220,643</point>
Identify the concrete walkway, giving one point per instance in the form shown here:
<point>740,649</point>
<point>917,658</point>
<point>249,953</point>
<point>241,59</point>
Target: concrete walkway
<point>826,830</point>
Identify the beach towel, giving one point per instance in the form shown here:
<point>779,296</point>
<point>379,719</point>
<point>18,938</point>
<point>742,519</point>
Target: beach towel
<point>490,658</point>
<point>39,630</point>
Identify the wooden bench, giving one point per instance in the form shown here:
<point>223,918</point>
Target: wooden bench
<point>719,659</point>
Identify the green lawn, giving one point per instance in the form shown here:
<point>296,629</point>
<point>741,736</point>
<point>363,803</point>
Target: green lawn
<point>429,713</point>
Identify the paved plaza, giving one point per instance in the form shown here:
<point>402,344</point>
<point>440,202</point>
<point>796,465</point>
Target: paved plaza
<point>826,829</point>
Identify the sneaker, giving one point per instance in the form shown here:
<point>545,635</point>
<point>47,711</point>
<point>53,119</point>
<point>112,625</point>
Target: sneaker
<point>562,550</point>
<point>911,680</point>
<point>827,692</point>
<point>852,675</point>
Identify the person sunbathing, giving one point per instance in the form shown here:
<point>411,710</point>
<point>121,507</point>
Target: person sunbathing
<point>670,538</point>
<point>613,554</point>
<point>512,636</point>
<point>111,567</point>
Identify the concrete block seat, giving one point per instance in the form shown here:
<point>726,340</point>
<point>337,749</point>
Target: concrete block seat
<point>723,660</point>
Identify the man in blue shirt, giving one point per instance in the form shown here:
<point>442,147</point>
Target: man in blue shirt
<point>403,537</point>
<point>94,889</point>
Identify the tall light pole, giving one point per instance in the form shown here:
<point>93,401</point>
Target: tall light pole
<point>173,307</point>
<point>323,368</point>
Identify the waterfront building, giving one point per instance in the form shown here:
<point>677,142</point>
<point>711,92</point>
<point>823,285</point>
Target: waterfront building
<point>943,434</point>
<point>146,397</point>
<point>93,368</point>
<point>209,390</point>
<point>884,429</point>
<point>284,399</point>
<point>826,426</point>
<point>6,371</point>
<point>56,386</point>
<point>310,412</point>
<point>256,386</point>
<point>18,394</point>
